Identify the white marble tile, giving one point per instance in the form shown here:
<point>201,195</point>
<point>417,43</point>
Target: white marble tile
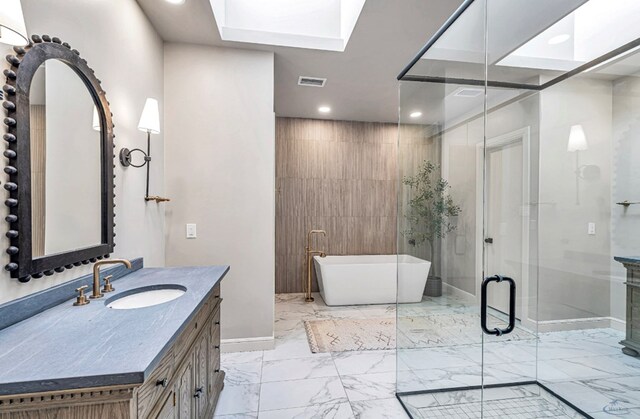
<point>379,409</point>
<point>289,330</point>
<point>227,358</point>
<point>253,415</point>
<point>438,357</point>
<point>369,386</point>
<point>407,380</point>
<point>238,399</point>
<point>586,398</point>
<point>242,373</point>
<point>419,401</point>
<point>364,362</point>
<point>437,378</point>
<point>320,365</point>
<point>322,411</point>
<point>301,393</point>
<point>289,349</point>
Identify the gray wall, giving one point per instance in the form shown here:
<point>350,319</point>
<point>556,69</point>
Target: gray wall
<point>220,174</point>
<point>574,266</point>
<point>569,269</point>
<point>95,28</point>
<point>625,184</point>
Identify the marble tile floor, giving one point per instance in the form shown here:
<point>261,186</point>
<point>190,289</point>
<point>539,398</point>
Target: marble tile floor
<point>291,382</point>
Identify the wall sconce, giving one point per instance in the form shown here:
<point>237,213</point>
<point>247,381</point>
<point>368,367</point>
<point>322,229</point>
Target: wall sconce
<point>149,122</point>
<point>577,143</point>
<point>13,30</point>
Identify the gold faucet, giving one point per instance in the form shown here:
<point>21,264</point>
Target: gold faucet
<point>96,274</point>
<point>310,252</point>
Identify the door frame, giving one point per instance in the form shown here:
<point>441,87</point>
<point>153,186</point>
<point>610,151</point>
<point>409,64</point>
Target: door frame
<point>521,135</point>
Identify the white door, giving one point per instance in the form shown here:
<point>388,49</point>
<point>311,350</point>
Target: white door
<point>503,234</point>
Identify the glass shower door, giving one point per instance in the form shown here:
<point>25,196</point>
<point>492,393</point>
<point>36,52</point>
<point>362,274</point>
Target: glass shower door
<point>439,340</point>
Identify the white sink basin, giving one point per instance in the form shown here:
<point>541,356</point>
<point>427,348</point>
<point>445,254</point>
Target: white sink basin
<point>146,297</point>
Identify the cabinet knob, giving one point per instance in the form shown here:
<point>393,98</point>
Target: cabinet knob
<point>218,323</point>
<point>162,382</point>
<point>198,392</point>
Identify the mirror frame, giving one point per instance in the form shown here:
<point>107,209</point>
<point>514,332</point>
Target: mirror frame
<point>24,65</point>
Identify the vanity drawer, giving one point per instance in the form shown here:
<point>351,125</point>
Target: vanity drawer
<point>156,386</point>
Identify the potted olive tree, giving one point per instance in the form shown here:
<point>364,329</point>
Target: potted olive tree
<point>429,215</point>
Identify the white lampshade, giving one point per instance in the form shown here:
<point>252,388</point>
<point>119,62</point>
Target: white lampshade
<point>96,120</point>
<point>13,30</point>
<point>150,118</point>
<point>577,139</point>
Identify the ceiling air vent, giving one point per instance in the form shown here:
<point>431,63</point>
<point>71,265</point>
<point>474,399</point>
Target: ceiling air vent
<point>468,92</point>
<point>311,81</point>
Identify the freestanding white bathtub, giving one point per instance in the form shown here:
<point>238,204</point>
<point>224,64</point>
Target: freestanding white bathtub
<point>351,280</point>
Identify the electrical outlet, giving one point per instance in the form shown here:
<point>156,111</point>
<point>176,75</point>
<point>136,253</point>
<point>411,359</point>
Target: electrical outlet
<point>191,231</point>
<point>591,229</point>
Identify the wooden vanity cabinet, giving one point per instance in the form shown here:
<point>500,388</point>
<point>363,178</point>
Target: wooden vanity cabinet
<point>185,384</point>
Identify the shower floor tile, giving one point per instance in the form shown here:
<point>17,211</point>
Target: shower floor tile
<point>518,402</point>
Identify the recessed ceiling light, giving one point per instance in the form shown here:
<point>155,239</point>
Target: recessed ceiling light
<point>558,39</point>
<point>176,1</point>
<point>324,109</point>
<point>415,114</point>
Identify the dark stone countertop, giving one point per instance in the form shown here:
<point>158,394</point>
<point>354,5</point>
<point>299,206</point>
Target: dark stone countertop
<point>628,259</point>
<point>69,347</point>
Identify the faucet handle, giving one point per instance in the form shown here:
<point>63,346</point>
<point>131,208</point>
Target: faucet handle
<point>107,284</point>
<point>81,299</point>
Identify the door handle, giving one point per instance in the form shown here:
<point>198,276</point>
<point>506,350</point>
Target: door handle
<point>512,305</point>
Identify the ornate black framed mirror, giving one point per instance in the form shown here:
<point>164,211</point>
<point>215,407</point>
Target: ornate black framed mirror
<point>60,161</point>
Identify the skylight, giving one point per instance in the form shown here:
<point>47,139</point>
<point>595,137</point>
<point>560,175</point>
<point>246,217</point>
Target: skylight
<point>593,29</point>
<point>314,24</point>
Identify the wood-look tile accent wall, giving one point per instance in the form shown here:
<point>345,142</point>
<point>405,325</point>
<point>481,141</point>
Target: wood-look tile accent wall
<point>338,176</point>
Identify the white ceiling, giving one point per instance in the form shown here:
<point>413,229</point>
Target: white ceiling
<point>361,83</point>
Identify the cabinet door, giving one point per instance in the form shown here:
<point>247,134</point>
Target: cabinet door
<point>184,393</point>
<point>168,410</point>
<point>201,388</point>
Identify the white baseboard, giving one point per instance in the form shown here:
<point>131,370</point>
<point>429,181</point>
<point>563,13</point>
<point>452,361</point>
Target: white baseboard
<point>577,324</point>
<point>467,297</point>
<point>619,325</point>
<point>248,344</point>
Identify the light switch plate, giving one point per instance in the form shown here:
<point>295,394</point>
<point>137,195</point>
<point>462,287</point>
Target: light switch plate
<point>191,231</point>
<point>591,229</point>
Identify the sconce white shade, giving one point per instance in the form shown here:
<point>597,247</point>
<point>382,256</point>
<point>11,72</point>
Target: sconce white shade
<point>577,139</point>
<point>96,120</point>
<point>150,118</point>
<point>13,30</point>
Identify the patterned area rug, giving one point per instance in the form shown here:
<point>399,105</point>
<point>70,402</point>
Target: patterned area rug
<point>340,335</point>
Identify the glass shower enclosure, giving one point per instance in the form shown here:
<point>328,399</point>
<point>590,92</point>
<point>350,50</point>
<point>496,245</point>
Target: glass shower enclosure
<point>519,181</point>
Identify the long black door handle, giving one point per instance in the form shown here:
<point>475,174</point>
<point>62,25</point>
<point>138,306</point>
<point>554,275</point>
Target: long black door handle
<point>512,305</point>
